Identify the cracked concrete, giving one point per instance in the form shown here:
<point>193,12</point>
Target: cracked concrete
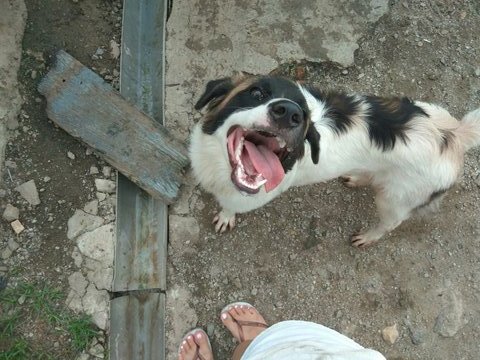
<point>211,39</point>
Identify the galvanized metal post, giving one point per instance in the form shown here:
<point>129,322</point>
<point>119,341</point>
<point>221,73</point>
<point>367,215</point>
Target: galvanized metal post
<point>137,312</point>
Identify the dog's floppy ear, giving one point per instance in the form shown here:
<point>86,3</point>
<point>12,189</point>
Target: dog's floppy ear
<point>214,90</point>
<point>313,137</point>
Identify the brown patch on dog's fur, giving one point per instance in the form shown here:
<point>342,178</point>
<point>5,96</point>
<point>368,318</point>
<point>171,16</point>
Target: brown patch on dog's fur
<point>392,104</point>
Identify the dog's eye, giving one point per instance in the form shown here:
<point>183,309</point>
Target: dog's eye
<point>257,93</point>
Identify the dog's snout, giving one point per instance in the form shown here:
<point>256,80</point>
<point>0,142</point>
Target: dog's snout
<point>286,113</point>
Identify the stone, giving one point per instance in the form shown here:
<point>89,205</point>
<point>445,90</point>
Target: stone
<point>107,171</point>
<point>77,257</point>
<point>100,196</point>
<point>98,244</point>
<point>78,283</point>
<point>114,49</point>
<point>17,226</point>
<point>105,186</point>
<point>91,207</point>
<point>6,253</point>
<point>390,334</point>
<point>82,222</point>
<point>28,191</point>
<point>13,245</point>
<point>93,170</point>
<point>74,301</point>
<point>100,274</point>
<point>451,317</point>
<point>97,351</point>
<point>96,303</point>
<point>70,155</point>
<point>82,356</point>
<point>10,213</point>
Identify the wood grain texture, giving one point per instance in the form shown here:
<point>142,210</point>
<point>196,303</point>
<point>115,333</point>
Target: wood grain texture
<point>137,327</point>
<point>85,106</point>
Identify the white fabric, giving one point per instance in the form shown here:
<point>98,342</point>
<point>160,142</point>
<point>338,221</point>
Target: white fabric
<point>303,340</point>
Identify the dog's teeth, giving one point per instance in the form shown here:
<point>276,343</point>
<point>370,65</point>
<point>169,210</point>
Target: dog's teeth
<point>281,142</point>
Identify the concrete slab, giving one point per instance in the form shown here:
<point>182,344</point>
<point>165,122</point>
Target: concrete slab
<point>12,24</point>
<point>209,39</point>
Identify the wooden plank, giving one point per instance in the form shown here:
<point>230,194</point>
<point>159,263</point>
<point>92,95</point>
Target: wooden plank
<point>141,247</point>
<point>84,105</point>
<point>141,315</point>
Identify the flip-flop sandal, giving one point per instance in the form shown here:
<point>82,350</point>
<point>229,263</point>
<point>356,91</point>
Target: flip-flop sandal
<point>197,352</point>
<point>241,323</point>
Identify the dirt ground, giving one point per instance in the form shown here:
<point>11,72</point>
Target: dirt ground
<point>292,258</point>
<point>38,150</point>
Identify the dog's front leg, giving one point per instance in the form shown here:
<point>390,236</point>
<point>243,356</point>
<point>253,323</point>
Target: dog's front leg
<point>224,220</point>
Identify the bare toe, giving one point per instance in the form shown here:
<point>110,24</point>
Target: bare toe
<point>204,348</point>
<point>243,321</point>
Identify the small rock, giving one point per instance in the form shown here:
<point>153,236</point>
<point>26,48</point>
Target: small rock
<point>416,336</point>
<point>105,186</point>
<point>82,222</point>
<point>17,226</point>
<point>28,191</point>
<point>97,351</point>
<point>13,245</point>
<point>71,155</point>
<point>254,291</point>
<point>101,196</point>
<point>11,213</point>
<point>477,72</point>
<point>6,253</point>
<point>390,334</point>
<point>114,49</point>
<point>93,170</point>
<point>210,329</point>
<point>107,171</point>
<point>33,75</point>
<point>91,207</point>
<point>46,179</point>
<point>56,344</point>
<point>451,317</point>
<point>21,299</point>
<point>345,72</point>
<point>88,152</point>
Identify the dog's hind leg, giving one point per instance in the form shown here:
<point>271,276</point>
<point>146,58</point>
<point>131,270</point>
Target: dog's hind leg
<point>392,212</point>
<point>356,180</point>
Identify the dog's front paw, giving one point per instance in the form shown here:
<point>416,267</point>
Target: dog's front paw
<point>363,240</point>
<point>224,220</point>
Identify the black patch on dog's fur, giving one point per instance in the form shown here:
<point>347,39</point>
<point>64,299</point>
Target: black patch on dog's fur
<point>388,120</point>
<point>313,137</point>
<point>271,88</point>
<point>215,89</point>
<point>341,108</point>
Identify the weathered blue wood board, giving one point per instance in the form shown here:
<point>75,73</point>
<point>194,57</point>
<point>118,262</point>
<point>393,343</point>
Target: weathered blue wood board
<point>84,105</point>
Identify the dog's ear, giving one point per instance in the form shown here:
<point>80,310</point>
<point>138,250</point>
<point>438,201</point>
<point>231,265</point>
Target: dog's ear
<point>313,137</point>
<point>214,90</point>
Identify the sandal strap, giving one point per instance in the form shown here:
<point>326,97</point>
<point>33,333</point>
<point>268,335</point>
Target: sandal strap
<point>241,323</point>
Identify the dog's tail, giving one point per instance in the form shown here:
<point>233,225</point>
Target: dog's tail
<point>469,130</point>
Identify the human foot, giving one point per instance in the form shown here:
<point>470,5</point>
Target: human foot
<point>194,346</point>
<point>243,321</point>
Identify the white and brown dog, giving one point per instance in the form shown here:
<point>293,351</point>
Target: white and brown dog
<point>262,135</point>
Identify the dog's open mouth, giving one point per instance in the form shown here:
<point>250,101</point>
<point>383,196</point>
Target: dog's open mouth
<point>255,157</point>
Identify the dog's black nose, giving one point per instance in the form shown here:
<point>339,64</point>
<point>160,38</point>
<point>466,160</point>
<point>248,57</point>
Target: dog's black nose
<point>286,113</point>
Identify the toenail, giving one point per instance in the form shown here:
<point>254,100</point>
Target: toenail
<point>224,316</point>
<point>184,342</point>
<point>199,335</point>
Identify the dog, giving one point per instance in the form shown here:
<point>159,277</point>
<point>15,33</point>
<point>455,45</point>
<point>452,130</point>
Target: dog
<point>261,135</point>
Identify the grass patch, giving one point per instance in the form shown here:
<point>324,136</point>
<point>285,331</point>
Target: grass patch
<point>39,309</point>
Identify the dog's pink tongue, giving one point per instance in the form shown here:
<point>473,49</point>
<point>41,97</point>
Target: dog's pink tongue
<point>266,163</point>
